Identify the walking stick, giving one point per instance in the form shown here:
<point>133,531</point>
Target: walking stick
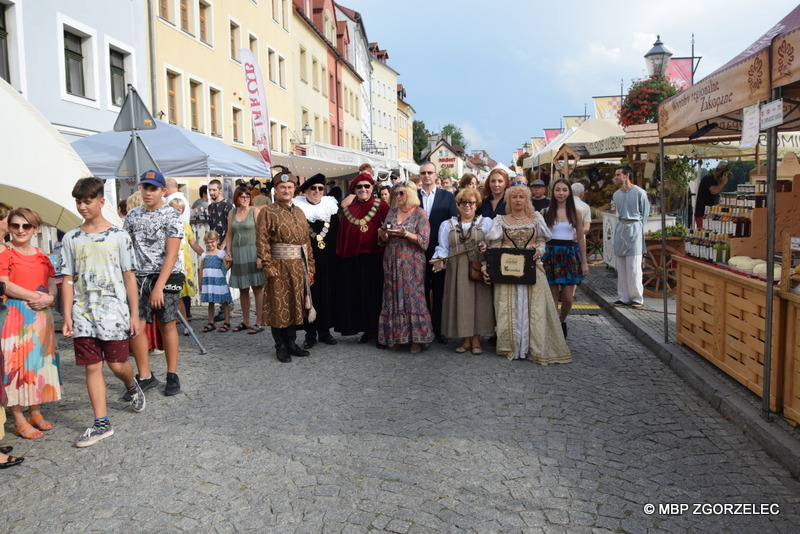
<point>192,335</point>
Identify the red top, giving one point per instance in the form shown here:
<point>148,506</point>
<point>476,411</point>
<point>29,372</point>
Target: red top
<point>351,240</point>
<point>27,271</point>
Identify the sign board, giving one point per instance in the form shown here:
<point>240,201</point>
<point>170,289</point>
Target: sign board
<point>772,114</point>
<point>607,145</point>
<point>511,265</point>
<point>750,133</point>
<point>136,160</point>
<point>134,114</point>
<point>795,243</point>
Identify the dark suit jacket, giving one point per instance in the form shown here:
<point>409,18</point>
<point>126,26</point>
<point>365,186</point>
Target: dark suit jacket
<point>444,207</point>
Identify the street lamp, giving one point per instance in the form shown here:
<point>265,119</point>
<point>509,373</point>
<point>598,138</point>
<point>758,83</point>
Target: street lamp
<point>657,58</point>
<point>307,131</point>
<point>526,147</point>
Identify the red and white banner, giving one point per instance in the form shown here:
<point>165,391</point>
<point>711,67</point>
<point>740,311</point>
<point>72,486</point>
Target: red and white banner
<point>679,72</point>
<point>550,134</point>
<point>256,95</point>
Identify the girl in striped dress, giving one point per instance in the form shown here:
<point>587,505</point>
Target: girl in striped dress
<point>213,284</point>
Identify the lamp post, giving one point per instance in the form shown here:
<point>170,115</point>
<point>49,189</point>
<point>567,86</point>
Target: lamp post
<point>526,147</point>
<point>657,58</point>
<point>307,131</point>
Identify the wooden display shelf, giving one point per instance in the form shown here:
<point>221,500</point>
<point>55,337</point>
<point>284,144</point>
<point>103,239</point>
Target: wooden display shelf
<point>721,316</point>
<point>791,375</point>
<point>787,218</point>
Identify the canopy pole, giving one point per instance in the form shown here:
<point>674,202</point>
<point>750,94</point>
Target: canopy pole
<point>664,278</point>
<point>772,171</point>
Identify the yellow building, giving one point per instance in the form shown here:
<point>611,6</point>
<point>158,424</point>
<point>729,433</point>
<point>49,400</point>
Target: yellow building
<point>384,102</point>
<point>199,82</point>
<point>405,126</point>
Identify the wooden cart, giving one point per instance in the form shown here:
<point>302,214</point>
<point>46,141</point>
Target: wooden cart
<point>653,267</point>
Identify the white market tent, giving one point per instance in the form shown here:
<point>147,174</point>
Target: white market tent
<point>38,168</point>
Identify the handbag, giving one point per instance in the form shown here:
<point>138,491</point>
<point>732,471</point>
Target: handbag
<point>512,265</point>
<point>475,272</point>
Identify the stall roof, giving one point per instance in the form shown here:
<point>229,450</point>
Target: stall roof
<point>743,81</point>
<point>590,131</point>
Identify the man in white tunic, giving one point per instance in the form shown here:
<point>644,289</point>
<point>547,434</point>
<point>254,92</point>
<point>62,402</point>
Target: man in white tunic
<point>633,209</point>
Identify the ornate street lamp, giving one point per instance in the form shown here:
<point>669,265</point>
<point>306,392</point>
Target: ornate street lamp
<point>657,58</point>
<point>307,131</point>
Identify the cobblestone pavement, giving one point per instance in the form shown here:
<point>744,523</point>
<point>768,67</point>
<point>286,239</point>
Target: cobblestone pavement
<point>353,439</point>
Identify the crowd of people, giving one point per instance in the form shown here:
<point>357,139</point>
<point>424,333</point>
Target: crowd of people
<point>401,262</point>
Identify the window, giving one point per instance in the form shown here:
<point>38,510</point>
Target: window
<point>205,13</point>
<point>163,9</point>
<point>236,119</point>
<point>314,73</point>
<point>213,106</point>
<point>284,139</point>
<point>194,104</point>
<point>271,67</point>
<point>324,81</point>
<point>186,17</point>
<point>316,128</point>
<point>273,135</point>
<point>276,10</point>
<point>172,97</point>
<point>285,14</point>
<point>303,65</point>
<point>234,37</point>
<point>73,58</point>
<point>5,70</point>
<point>303,120</point>
<point>117,67</point>
<point>253,44</point>
<point>282,72</point>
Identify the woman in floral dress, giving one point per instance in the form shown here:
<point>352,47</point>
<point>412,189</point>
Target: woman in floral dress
<point>404,314</point>
<point>30,371</point>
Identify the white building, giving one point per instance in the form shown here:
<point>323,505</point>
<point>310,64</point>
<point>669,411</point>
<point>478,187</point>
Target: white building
<point>384,103</point>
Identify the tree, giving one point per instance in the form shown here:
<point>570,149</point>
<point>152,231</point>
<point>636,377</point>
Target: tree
<point>421,134</point>
<point>456,135</point>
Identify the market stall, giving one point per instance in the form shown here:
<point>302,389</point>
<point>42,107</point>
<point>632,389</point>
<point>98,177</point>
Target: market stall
<point>739,324</point>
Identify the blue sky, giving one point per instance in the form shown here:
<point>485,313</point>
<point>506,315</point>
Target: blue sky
<point>504,70</point>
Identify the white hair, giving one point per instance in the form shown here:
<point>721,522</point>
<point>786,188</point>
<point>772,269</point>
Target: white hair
<point>578,189</point>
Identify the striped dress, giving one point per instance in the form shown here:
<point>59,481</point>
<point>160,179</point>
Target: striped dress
<point>215,285</point>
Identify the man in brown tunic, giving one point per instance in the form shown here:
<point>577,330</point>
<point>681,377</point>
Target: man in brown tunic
<point>284,248</point>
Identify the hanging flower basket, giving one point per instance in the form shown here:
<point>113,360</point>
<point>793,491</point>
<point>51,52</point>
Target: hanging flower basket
<point>640,105</point>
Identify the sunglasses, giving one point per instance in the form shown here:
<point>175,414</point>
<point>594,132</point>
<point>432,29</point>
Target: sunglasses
<point>427,172</point>
<point>211,243</point>
<point>363,186</point>
<point>466,203</point>
<point>17,226</point>
<point>399,193</point>
<point>318,188</point>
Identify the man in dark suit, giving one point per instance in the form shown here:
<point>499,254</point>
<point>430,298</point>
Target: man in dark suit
<point>440,205</point>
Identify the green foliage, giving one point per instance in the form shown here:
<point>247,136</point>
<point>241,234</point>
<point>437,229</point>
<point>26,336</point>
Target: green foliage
<point>420,133</point>
<point>641,103</point>
<point>456,135</point>
<point>678,230</point>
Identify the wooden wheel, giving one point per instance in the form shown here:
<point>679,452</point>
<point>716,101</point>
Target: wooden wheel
<point>594,246</point>
<point>652,269</point>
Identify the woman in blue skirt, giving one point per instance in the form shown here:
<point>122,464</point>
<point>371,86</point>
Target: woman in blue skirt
<point>565,255</point>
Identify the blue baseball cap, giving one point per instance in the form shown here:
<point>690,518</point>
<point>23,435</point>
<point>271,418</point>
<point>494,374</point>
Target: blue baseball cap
<point>153,177</point>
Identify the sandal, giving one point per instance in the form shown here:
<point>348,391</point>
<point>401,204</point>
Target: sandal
<point>28,432</point>
<point>255,329</point>
<point>39,422</point>
<point>463,348</point>
<point>11,461</point>
<point>241,327</point>
<point>209,327</point>
<point>225,327</point>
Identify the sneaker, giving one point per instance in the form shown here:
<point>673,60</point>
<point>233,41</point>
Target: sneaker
<point>94,434</point>
<point>173,385</point>
<point>635,304</point>
<point>138,402</point>
<point>145,384</point>
<point>621,303</point>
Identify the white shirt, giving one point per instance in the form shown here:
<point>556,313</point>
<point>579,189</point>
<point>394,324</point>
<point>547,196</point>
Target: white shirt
<point>427,200</point>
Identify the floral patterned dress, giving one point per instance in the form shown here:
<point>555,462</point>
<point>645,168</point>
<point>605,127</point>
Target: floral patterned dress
<point>404,314</point>
<point>31,373</point>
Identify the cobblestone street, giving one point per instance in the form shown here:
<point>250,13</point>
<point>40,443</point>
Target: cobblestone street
<point>355,439</point>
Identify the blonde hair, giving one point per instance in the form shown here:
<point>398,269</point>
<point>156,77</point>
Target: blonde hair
<point>411,192</point>
<point>27,214</point>
<point>178,204</point>
<point>211,234</point>
<point>135,200</point>
<point>529,211</point>
<point>5,209</point>
<point>472,193</point>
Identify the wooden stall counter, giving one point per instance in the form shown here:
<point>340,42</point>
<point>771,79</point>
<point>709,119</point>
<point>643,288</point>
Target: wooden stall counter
<point>722,316</point>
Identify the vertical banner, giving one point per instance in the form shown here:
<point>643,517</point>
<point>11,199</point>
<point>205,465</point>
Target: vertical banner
<point>679,72</point>
<point>550,134</point>
<point>254,85</point>
<point>750,123</point>
<point>537,144</point>
<point>570,121</point>
<point>607,107</point>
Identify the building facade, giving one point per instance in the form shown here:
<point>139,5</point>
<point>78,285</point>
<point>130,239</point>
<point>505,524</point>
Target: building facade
<point>384,103</point>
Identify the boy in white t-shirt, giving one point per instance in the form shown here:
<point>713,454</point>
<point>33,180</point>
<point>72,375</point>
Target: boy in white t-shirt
<point>100,302</point>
